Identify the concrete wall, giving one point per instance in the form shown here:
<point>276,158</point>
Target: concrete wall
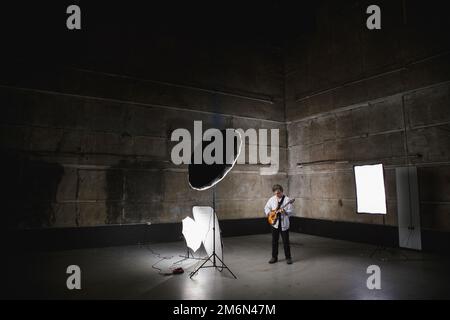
<point>87,117</point>
<point>355,96</point>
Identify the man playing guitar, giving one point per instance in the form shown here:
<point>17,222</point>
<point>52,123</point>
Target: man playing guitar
<point>280,205</point>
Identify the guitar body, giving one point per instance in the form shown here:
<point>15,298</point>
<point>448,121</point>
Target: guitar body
<point>272,217</point>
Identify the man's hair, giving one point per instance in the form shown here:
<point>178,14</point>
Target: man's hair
<point>277,187</point>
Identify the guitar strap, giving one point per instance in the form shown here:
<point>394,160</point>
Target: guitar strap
<point>279,214</point>
<point>280,202</point>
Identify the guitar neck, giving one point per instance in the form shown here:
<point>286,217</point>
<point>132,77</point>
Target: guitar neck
<point>285,205</point>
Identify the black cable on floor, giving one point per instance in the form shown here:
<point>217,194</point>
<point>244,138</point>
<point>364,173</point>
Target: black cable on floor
<point>161,258</point>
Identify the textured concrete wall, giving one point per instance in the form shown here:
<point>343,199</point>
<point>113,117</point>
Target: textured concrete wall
<point>112,154</point>
<point>355,96</point>
<point>86,122</point>
<point>86,117</point>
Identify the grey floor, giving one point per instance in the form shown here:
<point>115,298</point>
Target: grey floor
<point>323,269</point>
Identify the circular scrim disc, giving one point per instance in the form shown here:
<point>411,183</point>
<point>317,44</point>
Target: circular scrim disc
<point>212,160</point>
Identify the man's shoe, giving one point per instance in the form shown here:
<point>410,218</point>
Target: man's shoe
<point>289,261</point>
<point>273,260</point>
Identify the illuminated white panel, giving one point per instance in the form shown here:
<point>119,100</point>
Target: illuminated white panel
<point>191,233</point>
<point>370,192</point>
<point>203,216</point>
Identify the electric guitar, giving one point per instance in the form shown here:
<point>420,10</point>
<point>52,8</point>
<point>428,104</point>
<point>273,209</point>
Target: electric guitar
<point>272,217</point>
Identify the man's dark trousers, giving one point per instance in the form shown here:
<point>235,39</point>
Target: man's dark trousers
<point>276,237</point>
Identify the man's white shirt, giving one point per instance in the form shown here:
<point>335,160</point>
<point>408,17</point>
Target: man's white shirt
<point>272,204</point>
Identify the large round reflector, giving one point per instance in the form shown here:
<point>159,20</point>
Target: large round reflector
<point>202,175</point>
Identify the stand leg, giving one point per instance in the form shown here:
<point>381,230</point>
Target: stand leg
<point>224,266</point>
<point>188,256</point>
<point>201,266</point>
<point>381,248</point>
<point>214,225</point>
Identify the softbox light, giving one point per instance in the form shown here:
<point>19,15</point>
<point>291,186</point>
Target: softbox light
<point>370,191</point>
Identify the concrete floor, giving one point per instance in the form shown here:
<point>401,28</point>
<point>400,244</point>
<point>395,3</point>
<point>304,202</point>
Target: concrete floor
<point>323,269</point>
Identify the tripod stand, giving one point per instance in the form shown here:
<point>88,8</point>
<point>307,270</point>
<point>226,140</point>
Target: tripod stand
<point>384,249</point>
<point>213,257</point>
<point>188,256</point>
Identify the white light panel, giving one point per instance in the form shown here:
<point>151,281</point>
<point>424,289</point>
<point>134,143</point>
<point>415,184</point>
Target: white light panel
<point>191,233</point>
<point>370,191</point>
<point>203,216</point>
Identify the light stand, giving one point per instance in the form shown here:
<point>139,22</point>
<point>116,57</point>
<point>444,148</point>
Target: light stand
<point>213,256</point>
<point>379,248</point>
<point>188,256</point>
<point>383,248</point>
